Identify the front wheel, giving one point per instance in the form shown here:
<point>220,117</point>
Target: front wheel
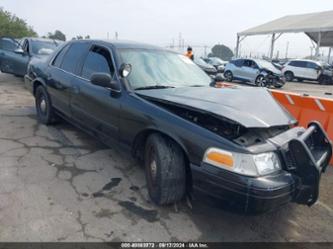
<point>260,81</point>
<point>228,76</point>
<point>165,170</point>
<point>45,111</point>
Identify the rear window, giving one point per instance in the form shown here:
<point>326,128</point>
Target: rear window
<point>73,56</point>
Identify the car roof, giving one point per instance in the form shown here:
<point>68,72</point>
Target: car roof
<point>307,60</point>
<point>119,44</point>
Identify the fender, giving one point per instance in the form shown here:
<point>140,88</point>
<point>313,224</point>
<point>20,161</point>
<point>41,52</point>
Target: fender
<point>35,82</point>
<point>142,135</point>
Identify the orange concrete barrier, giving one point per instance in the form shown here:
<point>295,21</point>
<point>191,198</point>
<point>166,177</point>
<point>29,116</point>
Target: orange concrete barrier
<point>308,108</point>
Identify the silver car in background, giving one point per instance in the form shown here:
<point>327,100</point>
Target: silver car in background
<point>254,71</point>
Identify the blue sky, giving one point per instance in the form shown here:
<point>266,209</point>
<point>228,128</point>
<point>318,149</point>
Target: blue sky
<point>201,22</point>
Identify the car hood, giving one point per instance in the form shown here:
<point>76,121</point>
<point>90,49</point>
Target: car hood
<point>250,107</point>
<point>273,70</point>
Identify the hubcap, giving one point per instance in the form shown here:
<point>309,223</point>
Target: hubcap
<point>153,170</point>
<point>43,105</point>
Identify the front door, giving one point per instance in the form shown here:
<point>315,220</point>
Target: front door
<point>249,70</point>
<point>15,59</point>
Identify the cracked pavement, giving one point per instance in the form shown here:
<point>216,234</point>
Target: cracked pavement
<point>59,184</point>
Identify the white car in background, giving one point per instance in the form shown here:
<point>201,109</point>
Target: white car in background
<point>307,70</point>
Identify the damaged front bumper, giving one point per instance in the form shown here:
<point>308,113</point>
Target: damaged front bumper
<point>305,155</point>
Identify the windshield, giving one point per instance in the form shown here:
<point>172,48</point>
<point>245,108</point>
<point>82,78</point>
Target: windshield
<point>266,64</point>
<point>43,47</point>
<point>165,68</point>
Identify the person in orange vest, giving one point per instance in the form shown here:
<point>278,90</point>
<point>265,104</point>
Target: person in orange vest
<point>189,53</point>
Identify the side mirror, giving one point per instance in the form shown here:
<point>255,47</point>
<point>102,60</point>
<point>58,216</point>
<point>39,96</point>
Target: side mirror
<point>125,70</point>
<point>19,51</point>
<point>104,80</point>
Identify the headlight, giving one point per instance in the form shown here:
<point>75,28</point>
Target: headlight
<point>267,163</point>
<point>244,164</point>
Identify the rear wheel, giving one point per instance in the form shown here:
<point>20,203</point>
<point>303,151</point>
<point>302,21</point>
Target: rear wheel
<point>289,76</point>
<point>299,80</point>
<point>45,111</point>
<point>228,76</point>
<point>165,170</point>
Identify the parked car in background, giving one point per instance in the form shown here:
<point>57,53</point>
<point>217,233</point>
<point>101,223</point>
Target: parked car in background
<point>209,69</point>
<point>15,55</point>
<point>190,136</point>
<point>307,70</point>
<point>218,63</point>
<point>255,71</point>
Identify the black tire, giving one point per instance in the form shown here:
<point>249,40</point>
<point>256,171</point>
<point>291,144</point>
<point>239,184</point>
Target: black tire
<point>260,81</point>
<point>165,170</point>
<point>228,76</point>
<point>45,111</point>
<point>300,80</point>
<point>289,76</point>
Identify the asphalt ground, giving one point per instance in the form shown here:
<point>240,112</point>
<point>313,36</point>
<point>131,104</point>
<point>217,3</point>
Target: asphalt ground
<point>59,184</point>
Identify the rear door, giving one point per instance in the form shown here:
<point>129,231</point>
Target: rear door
<point>13,57</point>
<point>237,69</point>
<point>94,106</point>
<point>299,68</point>
<point>62,71</point>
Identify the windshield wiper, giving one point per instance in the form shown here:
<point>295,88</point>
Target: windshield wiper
<point>153,87</point>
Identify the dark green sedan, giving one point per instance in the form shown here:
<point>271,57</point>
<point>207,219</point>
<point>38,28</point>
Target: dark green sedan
<point>15,55</point>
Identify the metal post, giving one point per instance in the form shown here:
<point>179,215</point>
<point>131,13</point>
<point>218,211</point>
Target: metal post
<point>237,46</point>
<point>272,46</point>
<point>318,45</point>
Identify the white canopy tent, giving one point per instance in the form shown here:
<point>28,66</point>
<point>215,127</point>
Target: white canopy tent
<point>317,26</point>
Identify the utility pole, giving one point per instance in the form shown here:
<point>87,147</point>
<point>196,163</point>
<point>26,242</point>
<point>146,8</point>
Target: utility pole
<point>107,35</point>
<point>116,35</point>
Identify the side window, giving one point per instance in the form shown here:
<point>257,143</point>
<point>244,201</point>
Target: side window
<point>302,64</point>
<point>247,63</point>
<point>8,44</point>
<point>238,63</point>
<point>312,65</point>
<point>73,56</point>
<point>98,60</point>
<point>60,56</point>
